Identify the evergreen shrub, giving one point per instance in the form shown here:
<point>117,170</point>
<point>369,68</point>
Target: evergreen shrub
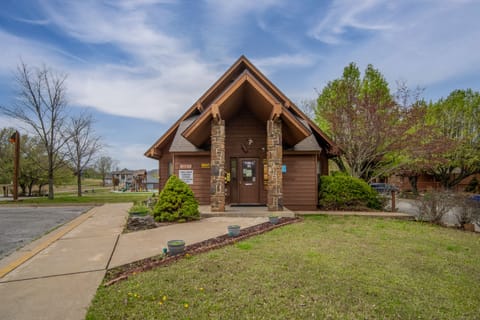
<point>176,202</point>
<point>341,192</point>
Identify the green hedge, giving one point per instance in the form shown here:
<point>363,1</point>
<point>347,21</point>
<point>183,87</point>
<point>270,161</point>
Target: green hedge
<point>347,193</point>
<point>176,202</point>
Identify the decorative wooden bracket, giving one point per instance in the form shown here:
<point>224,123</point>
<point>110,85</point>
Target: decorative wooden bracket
<point>215,112</point>
<point>276,111</point>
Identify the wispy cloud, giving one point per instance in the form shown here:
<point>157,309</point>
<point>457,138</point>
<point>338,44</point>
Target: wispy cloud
<point>421,45</point>
<point>342,15</point>
<point>283,61</point>
<point>158,70</point>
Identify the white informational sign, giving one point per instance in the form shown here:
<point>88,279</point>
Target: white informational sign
<point>186,176</point>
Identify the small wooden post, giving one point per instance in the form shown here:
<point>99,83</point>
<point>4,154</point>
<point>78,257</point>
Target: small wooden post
<point>15,139</point>
<point>393,200</point>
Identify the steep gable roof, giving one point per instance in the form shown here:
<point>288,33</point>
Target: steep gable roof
<point>242,75</point>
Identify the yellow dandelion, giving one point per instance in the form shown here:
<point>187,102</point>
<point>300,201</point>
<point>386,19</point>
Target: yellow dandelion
<point>201,289</point>
<point>160,302</point>
<point>164,298</point>
<point>186,305</point>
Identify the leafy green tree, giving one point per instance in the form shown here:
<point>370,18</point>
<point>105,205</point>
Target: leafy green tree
<point>6,156</point>
<point>32,164</point>
<point>363,118</point>
<point>424,145</point>
<point>457,118</point>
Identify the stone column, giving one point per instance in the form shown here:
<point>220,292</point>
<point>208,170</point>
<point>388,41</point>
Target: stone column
<point>217,158</point>
<point>274,164</point>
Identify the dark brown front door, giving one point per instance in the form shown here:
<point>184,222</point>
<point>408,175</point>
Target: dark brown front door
<point>248,177</point>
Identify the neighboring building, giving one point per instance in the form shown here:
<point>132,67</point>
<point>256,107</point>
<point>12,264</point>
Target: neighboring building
<point>244,142</point>
<point>152,180</point>
<point>108,180</point>
<point>428,182</point>
<point>130,180</point>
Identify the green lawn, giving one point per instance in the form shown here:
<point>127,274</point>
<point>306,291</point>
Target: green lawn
<point>321,268</point>
<point>98,197</point>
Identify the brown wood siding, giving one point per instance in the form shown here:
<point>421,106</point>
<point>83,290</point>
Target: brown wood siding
<point>163,170</point>
<point>201,176</point>
<point>241,127</point>
<point>300,182</point>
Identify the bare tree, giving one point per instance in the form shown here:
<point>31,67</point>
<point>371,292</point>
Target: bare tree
<point>82,145</point>
<point>104,165</point>
<point>41,105</point>
<point>308,107</point>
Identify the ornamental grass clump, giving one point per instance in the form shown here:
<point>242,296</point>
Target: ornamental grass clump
<point>176,202</point>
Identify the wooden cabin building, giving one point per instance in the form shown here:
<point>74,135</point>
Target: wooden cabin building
<point>244,142</point>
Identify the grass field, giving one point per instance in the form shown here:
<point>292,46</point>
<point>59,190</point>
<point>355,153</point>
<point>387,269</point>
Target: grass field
<point>99,196</point>
<point>322,268</point>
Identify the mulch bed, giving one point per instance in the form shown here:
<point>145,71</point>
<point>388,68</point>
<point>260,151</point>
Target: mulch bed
<point>123,272</point>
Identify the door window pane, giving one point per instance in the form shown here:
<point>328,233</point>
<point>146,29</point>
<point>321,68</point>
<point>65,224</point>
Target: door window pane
<point>249,170</point>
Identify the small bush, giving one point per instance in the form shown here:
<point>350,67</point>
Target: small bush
<point>434,205</point>
<point>176,202</point>
<point>466,210</point>
<point>139,209</point>
<point>347,193</point>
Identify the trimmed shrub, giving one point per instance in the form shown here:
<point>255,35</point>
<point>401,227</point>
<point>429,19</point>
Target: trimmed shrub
<point>176,202</point>
<point>347,193</point>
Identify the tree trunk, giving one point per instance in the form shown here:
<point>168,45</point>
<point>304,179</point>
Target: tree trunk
<point>23,187</point>
<point>50,185</point>
<point>414,184</point>
<point>50,175</point>
<point>79,184</point>
<point>339,162</point>
<point>30,187</point>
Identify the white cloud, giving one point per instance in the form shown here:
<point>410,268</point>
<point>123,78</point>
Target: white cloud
<point>345,14</point>
<point>426,47</point>
<point>130,156</point>
<point>158,79</point>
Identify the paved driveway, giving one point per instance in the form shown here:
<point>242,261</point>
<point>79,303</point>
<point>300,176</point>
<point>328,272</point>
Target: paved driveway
<point>21,225</point>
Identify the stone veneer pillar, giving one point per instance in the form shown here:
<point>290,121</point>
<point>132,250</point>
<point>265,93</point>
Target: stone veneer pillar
<point>274,164</point>
<point>217,158</point>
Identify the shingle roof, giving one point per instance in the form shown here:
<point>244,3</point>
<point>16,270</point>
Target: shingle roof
<point>179,143</point>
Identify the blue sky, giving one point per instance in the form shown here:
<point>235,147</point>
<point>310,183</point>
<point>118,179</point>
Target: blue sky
<point>139,64</point>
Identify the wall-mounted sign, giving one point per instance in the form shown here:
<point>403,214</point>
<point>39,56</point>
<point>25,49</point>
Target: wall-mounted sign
<point>185,166</point>
<point>186,176</point>
<point>284,168</point>
<point>205,165</point>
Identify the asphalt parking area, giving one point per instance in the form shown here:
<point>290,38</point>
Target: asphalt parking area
<point>20,225</point>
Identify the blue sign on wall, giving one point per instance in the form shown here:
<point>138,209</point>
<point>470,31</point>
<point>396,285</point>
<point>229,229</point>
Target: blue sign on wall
<point>284,168</point>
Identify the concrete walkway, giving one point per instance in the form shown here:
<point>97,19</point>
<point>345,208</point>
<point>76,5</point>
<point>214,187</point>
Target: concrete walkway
<point>56,277</point>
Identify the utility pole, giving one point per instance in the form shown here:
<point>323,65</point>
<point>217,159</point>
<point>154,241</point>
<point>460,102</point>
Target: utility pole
<point>15,139</point>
